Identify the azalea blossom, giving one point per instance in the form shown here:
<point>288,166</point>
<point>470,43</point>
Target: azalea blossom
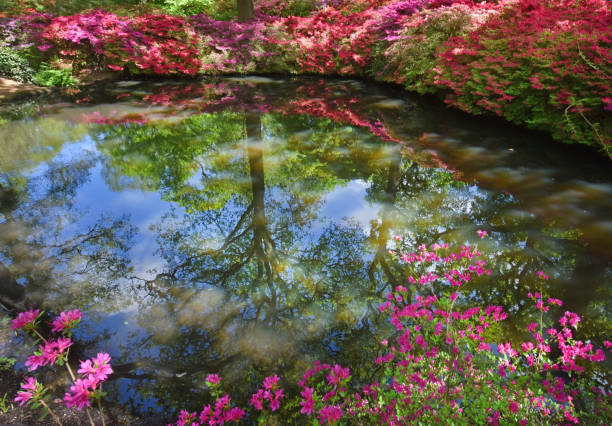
<point>79,394</point>
<point>97,369</point>
<point>24,319</point>
<point>66,320</point>
<point>28,389</point>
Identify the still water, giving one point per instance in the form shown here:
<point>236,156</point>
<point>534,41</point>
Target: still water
<point>242,226</point>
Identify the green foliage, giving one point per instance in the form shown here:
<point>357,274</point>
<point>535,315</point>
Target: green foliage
<point>50,77</point>
<point>287,7</point>
<point>5,404</point>
<point>14,66</point>
<point>6,363</point>
<point>63,7</point>
<point>217,9</point>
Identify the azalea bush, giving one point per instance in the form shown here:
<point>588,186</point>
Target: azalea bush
<point>447,361</point>
<point>158,44</point>
<point>409,55</point>
<point>442,365</point>
<point>545,63</point>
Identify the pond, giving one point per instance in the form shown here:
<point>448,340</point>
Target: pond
<point>242,226</point>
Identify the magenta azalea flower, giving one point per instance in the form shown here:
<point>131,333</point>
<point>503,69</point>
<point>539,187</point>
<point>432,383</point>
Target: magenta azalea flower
<point>79,394</point>
<point>66,320</point>
<point>28,389</point>
<point>270,382</point>
<point>308,403</point>
<point>330,414</point>
<point>97,369</point>
<point>48,353</point>
<point>337,375</point>
<point>25,318</point>
<point>213,379</point>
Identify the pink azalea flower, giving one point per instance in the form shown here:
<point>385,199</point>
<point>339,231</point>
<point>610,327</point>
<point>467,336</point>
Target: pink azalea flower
<point>79,394</point>
<point>257,400</point>
<point>213,379</point>
<point>185,418</point>
<point>205,413</point>
<point>337,375</point>
<point>234,414</point>
<point>97,369</point>
<point>66,320</point>
<point>28,389</point>
<point>24,319</point>
<point>308,403</point>
<point>34,361</point>
<point>270,382</point>
<point>481,233</point>
<point>330,414</point>
<point>48,353</point>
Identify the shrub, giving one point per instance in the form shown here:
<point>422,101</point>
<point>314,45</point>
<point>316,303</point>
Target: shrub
<point>151,44</point>
<point>447,362</point>
<point>217,9</point>
<point>14,66</point>
<point>54,77</point>
<point>286,7</point>
<point>545,64</point>
<point>413,52</point>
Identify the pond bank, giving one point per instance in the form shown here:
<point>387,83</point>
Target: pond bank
<point>11,90</point>
<point>545,66</point>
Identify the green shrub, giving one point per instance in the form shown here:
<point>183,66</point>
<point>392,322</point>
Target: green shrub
<point>13,66</point>
<point>217,9</point>
<point>6,363</point>
<point>51,77</point>
<point>410,58</point>
<point>287,7</point>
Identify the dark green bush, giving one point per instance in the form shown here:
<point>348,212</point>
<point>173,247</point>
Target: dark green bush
<point>14,66</point>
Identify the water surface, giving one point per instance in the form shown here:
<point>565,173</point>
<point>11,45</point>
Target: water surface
<point>242,226</point>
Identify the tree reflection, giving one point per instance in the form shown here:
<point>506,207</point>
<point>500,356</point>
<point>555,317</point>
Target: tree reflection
<point>46,260</point>
<point>254,275</point>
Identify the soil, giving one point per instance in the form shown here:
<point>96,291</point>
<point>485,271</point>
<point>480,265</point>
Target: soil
<point>11,90</point>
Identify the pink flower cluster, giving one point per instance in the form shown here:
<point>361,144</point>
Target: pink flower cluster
<point>269,393</point>
<point>48,353</point>
<point>25,319</point>
<point>220,414</point>
<point>66,321</point>
<point>93,371</point>
<point>28,390</point>
<point>327,406</point>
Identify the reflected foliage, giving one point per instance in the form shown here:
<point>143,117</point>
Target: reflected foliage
<point>266,245</point>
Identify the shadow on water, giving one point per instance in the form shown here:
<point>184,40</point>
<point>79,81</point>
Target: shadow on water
<point>242,226</point>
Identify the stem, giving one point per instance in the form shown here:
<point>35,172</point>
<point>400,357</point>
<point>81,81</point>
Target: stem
<point>68,366</point>
<point>44,404</point>
<point>100,408</point>
<point>39,335</point>
<point>89,416</point>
